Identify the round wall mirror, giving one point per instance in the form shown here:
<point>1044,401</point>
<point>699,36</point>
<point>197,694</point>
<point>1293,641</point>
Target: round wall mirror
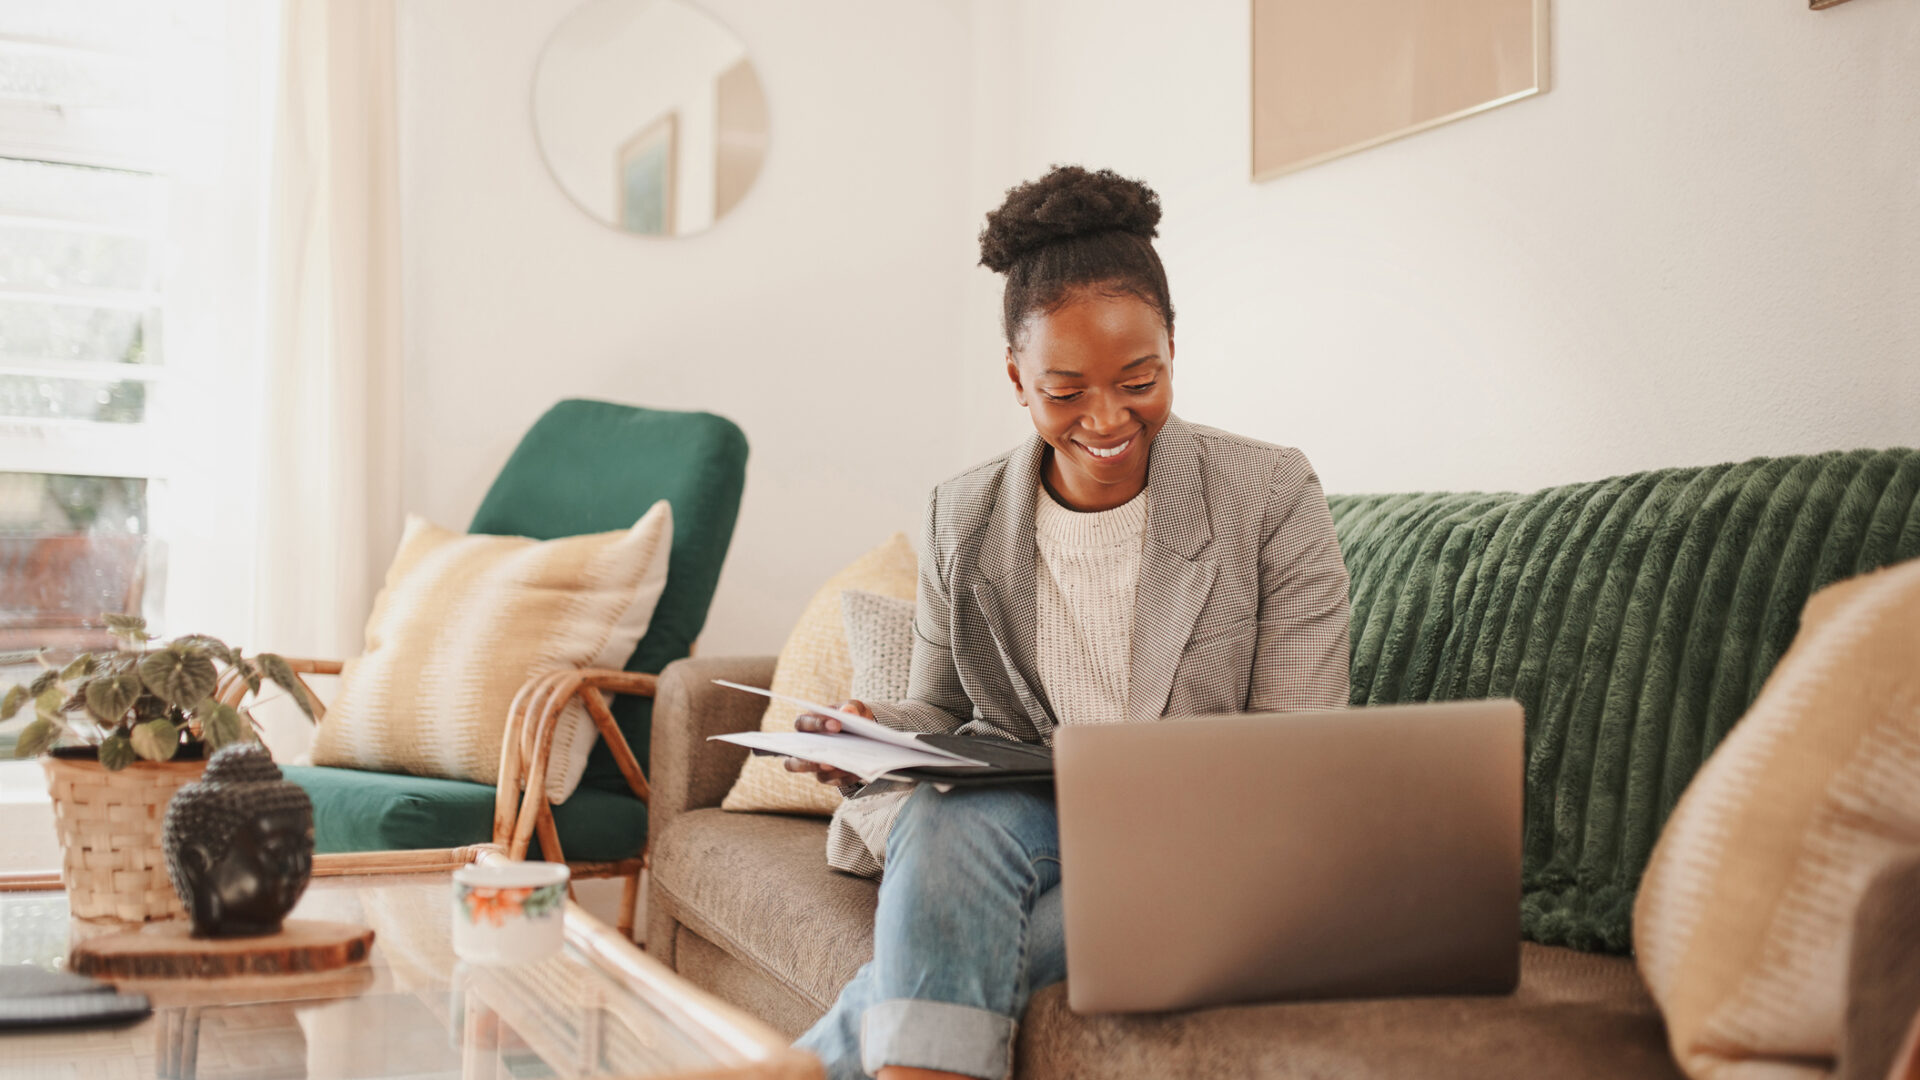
<point>650,115</point>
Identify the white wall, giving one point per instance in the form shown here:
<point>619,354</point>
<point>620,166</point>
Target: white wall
<point>1703,243</point>
<point>820,315</point>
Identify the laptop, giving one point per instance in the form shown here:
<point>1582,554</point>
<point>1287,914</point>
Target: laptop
<point>1359,853</point>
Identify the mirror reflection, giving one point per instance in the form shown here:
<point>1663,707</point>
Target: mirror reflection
<point>650,115</point>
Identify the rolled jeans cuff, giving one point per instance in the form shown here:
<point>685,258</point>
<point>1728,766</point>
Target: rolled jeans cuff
<point>936,1035</point>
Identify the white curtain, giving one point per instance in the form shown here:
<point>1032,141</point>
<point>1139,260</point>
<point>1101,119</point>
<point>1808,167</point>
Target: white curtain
<point>330,511</point>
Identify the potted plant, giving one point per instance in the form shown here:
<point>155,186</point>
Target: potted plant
<point>118,733</point>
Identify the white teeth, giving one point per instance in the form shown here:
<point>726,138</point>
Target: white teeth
<point>1115,452</point>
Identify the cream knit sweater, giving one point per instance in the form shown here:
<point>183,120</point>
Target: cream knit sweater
<point>1088,574</point>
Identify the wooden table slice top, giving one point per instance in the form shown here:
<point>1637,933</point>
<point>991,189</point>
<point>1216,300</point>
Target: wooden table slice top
<point>168,950</point>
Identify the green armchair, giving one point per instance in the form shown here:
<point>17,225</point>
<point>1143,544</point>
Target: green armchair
<point>584,467</point>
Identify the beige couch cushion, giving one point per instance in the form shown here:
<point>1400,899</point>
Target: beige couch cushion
<point>1746,912</point>
<point>753,885</point>
<point>1576,1016</point>
<point>715,970</point>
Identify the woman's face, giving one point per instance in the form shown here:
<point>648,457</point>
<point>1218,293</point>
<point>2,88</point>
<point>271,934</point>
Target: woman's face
<point>1097,378</point>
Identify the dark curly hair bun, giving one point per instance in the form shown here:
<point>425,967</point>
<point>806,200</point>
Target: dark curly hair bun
<point>1067,202</point>
<point>1070,233</point>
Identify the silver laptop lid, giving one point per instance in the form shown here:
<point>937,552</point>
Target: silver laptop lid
<point>1354,853</point>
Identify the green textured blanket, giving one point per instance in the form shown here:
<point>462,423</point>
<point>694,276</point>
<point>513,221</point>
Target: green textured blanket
<point>1635,618</point>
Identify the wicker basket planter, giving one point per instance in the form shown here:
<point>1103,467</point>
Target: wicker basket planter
<point>109,826</point>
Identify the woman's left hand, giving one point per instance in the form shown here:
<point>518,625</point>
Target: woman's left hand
<point>827,725</point>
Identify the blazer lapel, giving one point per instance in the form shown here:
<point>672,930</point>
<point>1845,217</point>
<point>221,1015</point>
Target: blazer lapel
<point>1175,574</point>
<point>1009,580</point>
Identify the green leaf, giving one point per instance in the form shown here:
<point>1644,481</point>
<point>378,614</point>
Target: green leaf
<point>221,724</point>
<point>117,752</point>
<point>156,740</point>
<point>110,696</point>
<point>211,646</point>
<point>41,681</point>
<point>130,627</point>
<point>47,705</point>
<point>36,738</point>
<point>179,679</point>
<point>81,667</point>
<point>14,659</point>
<point>276,668</point>
<point>9,705</point>
<point>544,899</point>
<point>247,670</point>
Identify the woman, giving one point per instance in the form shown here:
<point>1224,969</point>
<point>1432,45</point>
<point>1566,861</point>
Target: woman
<point>1120,565</point>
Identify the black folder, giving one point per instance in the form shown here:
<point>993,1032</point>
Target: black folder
<point>1007,762</point>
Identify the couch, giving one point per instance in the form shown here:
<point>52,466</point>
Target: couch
<point>1634,617</point>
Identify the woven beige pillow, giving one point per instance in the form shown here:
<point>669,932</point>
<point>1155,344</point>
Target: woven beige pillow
<point>815,665</point>
<point>464,621</point>
<point>1745,916</point>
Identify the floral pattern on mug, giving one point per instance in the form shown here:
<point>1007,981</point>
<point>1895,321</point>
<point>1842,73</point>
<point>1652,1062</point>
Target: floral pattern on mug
<point>495,906</point>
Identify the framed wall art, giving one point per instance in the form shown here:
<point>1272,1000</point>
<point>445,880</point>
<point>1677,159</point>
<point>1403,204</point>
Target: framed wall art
<point>644,175</point>
<point>1332,77</point>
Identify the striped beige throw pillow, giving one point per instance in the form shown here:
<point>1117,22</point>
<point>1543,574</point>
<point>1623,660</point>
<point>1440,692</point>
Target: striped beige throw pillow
<point>815,665</point>
<point>1745,916</point>
<point>464,621</point>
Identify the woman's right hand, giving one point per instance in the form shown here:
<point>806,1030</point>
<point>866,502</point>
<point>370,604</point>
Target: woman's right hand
<point>815,723</point>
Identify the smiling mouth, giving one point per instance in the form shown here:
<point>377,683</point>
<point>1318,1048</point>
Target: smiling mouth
<point>1108,452</point>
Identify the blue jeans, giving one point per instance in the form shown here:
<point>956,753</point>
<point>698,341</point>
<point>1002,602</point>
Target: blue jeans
<point>967,929</point>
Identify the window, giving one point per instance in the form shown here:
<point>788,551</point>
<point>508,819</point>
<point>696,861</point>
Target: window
<point>132,167</point>
<point>81,213</point>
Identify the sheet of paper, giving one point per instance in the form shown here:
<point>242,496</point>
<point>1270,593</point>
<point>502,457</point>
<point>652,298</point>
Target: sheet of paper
<point>864,758</point>
<point>856,724</point>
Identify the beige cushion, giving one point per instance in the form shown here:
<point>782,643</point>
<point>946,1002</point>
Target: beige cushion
<point>464,621</point>
<point>753,885</point>
<point>879,631</point>
<point>880,638</point>
<point>1744,918</point>
<point>816,666</point>
<point>1576,1016</point>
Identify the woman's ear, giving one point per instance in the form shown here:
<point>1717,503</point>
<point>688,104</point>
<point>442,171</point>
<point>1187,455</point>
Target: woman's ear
<point>1013,374</point>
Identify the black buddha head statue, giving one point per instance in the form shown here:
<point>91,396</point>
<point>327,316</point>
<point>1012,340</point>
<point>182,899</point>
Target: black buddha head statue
<point>239,844</point>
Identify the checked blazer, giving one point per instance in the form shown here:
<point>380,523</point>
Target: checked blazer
<point>1241,605</point>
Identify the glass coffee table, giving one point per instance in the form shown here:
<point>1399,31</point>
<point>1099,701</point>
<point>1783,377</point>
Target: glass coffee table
<point>601,1008</point>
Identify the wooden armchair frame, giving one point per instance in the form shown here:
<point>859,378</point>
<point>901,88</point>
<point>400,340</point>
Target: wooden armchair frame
<point>520,808</point>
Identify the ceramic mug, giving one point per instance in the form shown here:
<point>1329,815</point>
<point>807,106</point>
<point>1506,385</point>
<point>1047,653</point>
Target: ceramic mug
<point>509,913</point>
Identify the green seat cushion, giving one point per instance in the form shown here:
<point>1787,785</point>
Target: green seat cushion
<point>355,810</point>
<point>1635,619</point>
<point>594,466</point>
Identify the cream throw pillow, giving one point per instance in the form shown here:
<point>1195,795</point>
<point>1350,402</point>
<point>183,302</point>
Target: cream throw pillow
<point>1745,916</point>
<point>464,621</point>
<point>816,666</point>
